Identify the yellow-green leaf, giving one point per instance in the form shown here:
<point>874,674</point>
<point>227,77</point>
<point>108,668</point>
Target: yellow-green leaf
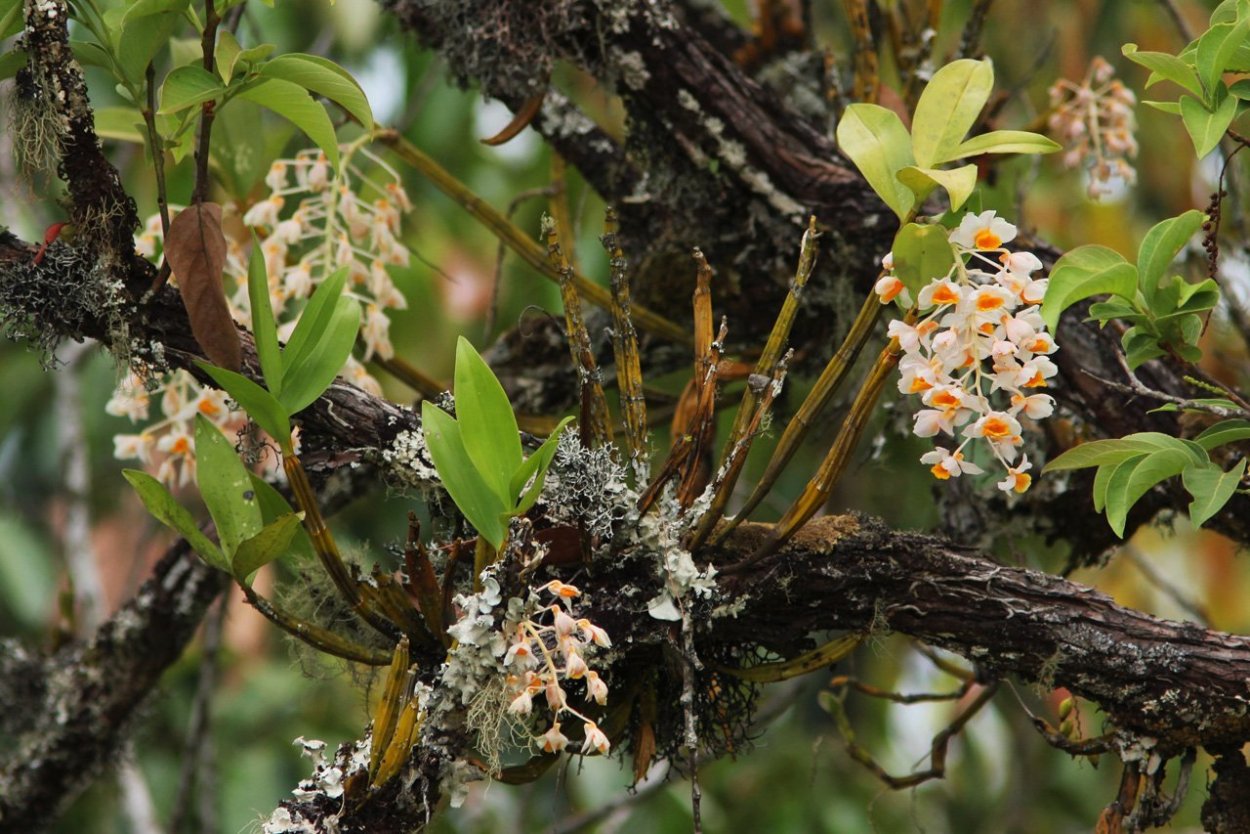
<point>948,108</point>
<point>877,142</point>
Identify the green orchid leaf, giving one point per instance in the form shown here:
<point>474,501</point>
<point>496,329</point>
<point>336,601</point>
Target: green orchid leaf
<point>487,423</point>
<point>271,542</point>
<point>948,108</point>
<point>315,319</point>
<point>958,182</point>
<point>225,486</point>
<point>921,254</point>
<point>264,328</point>
<point>535,466</point>
<point>1006,141</point>
<point>875,139</point>
<point>274,506</point>
<point>259,404</point>
<point>475,498</point>
<point>304,382</point>
<point>166,509</point>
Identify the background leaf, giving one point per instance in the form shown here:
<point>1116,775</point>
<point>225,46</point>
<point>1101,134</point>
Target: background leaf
<point>292,102</point>
<point>1211,487</point>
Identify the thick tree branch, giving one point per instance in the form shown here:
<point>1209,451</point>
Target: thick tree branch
<point>66,715</point>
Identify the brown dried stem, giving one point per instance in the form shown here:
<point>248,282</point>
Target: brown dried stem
<point>625,349</point>
<point>827,384</point>
<point>937,750</point>
<point>596,424</point>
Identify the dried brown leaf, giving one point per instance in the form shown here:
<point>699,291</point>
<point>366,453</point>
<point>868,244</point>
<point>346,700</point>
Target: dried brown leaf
<point>196,251</point>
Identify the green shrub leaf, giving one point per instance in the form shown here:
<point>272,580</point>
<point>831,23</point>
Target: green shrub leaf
<point>1084,272</point>
<point>1164,67</point>
<point>324,77</point>
<point>1211,487</point>
<point>292,102</point>
<point>188,86</point>
<point>1160,247</point>
<point>1207,126</point>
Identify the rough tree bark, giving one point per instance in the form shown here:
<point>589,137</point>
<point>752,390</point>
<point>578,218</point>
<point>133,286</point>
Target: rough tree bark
<point>1172,686</point>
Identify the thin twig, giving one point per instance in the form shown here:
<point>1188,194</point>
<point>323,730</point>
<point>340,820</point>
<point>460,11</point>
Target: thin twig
<point>1135,386</point>
<point>209,108</point>
<point>517,240</point>
<point>492,312</point>
<point>197,772</point>
<point>1152,575</point>
<point>970,40</point>
<point>1178,20</point>
<point>158,164</point>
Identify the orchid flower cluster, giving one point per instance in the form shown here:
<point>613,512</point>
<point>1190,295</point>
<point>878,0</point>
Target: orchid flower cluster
<point>345,218</point>
<point>541,657</point>
<point>1094,121</point>
<point>978,352</point>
